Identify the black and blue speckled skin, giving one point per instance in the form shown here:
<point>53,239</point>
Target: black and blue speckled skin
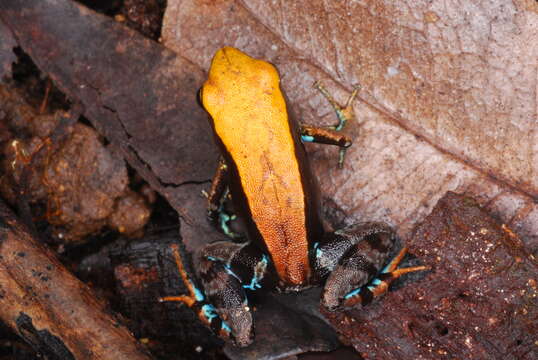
<point>346,260</point>
<point>350,258</point>
<point>228,271</point>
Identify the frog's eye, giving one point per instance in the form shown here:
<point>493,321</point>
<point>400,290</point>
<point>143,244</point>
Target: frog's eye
<point>199,97</point>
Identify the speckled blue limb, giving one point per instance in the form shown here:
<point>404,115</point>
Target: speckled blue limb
<point>197,301</point>
<point>216,199</point>
<point>352,259</point>
<point>228,271</point>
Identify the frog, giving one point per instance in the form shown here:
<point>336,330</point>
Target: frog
<point>265,170</point>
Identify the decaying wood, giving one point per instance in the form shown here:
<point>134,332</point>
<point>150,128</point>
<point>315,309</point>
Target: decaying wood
<point>50,308</point>
<point>7,57</point>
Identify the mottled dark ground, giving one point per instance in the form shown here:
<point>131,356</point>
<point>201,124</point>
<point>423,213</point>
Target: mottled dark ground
<point>479,301</point>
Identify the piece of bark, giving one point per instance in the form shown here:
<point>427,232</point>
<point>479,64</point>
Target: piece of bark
<point>144,16</point>
<point>144,271</point>
<point>480,301</point>
<point>50,308</point>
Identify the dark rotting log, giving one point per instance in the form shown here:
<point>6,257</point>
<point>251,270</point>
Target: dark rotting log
<point>49,307</point>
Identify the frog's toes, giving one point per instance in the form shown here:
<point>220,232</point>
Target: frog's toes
<point>240,322</point>
<point>236,316</point>
<point>357,280</point>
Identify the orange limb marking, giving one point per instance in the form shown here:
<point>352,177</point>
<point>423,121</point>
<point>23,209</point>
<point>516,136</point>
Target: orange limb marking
<point>183,298</point>
<point>189,300</point>
<point>206,312</point>
<point>378,287</point>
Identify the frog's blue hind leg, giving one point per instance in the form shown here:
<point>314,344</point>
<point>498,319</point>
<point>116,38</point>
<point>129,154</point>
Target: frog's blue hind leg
<point>379,285</point>
<point>352,258</point>
<point>227,270</point>
<point>197,301</point>
<point>329,135</point>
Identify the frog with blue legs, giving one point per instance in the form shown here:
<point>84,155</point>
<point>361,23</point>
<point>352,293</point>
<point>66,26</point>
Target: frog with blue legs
<point>266,171</point>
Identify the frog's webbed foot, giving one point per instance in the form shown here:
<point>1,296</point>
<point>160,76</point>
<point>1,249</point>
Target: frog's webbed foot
<point>330,134</point>
<point>344,113</point>
<point>380,284</point>
<point>355,256</point>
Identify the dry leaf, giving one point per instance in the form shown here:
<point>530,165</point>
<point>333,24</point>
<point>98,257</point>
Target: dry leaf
<point>448,99</point>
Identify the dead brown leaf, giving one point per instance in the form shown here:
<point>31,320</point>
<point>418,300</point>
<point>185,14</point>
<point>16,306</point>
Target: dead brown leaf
<point>448,99</point>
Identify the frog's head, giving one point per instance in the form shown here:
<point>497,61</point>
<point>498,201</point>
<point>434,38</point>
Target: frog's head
<point>235,79</point>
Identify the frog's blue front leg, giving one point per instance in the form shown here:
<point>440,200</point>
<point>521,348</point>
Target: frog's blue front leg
<point>216,200</point>
<point>329,135</point>
<point>354,257</point>
<point>379,285</point>
<point>227,270</point>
